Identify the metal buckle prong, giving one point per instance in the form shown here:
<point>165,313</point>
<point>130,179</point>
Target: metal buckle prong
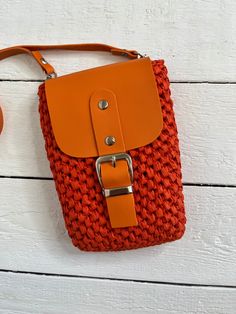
<point>113,159</point>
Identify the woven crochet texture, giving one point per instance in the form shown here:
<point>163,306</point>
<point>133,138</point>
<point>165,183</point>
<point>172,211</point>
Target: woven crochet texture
<point>157,186</point>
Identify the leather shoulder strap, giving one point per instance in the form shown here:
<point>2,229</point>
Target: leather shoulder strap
<point>47,68</point>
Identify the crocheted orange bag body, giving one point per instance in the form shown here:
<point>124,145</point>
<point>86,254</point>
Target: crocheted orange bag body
<point>111,140</point>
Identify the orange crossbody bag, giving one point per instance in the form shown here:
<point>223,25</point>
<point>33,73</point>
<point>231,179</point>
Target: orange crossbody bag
<point>111,140</point>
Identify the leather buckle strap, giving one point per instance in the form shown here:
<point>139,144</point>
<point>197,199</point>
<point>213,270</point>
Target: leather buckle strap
<point>115,174</point>
<point>114,167</point>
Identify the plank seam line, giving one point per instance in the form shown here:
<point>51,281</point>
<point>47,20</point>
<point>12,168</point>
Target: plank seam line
<point>214,185</point>
<point>117,279</point>
<point>172,81</point>
<point>184,183</point>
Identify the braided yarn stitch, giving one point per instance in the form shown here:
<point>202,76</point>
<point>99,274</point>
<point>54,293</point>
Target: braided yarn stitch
<point>157,186</point>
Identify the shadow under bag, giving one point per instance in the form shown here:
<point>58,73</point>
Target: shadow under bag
<point>111,140</point>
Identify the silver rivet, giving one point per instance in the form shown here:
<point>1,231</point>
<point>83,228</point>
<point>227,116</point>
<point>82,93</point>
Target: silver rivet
<point>110,140</point>
<point>103,104</point>
<point>44,61</point>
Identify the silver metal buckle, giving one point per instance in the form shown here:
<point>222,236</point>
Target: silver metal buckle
<point>113,158</point>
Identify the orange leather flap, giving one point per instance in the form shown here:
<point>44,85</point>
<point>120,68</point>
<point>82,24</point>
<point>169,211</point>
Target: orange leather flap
<point>135,95</point>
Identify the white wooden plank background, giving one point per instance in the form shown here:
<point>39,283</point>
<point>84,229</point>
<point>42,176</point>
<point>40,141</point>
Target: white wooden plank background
<point>84,296</point>
<point>197,39</point>
<point>33,229</point>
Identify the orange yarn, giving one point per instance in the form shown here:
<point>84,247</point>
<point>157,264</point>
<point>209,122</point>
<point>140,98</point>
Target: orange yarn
<point>157,186</point>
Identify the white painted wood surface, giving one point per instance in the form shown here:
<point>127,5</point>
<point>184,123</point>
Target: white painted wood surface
<point>21,294</point>
<point>197,39</point>
<point>33,238</point>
